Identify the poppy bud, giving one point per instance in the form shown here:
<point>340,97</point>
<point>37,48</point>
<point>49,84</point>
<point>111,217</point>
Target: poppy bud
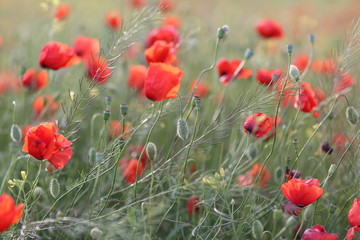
<point>182,129</point>
<point>333,208</point>
<point>290,48</point>
<point>124,109</point>
<point>106,115</point>
<point>151,150</point>
<point>309,212</point>
<point>352,115</point>
<point>96,233</point>
<point>15,133</point>
<point>279,174</point>
<point>312,38</point>
<point>54,188</point>
<point>291,222</point>
<point>99,157</point>
<point>257,229</point>
<point>38,191</point>
<point>248,53</point>
<point>221,32</point>
<point>294,73</point>
<point>332,169</point>
<point>266,235</point>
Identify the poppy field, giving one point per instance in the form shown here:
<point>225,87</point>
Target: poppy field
<point>165,119</point>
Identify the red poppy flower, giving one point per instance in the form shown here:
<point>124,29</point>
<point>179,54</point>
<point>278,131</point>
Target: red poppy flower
<point>62,11</point>
<point>165,5</point>
<point>344,82</point>
<point>34,80</point>
<point>42,142</point>
<point>192,207</point>
<point>98,70</point>
<point>9,82</point>
<point>259,124</point>
<point>318,232</point>
<point>202,89</point>
<point>302,192</point>
<point>45,104</point>
<point>286,94</point>
<point>351,233</point>
<point>86,48</point>
<point>160,51</point>
<point>162,81</point>
<point>168,34</point>
<point>9,213</point>
<point>129,171</point>
<point>301,61</point>
<point>113,19</point>
<point>255,171</point>
<point>268,28</point>
<point>135,151</point>
<point>354,213</point>
<point>116,129</point>
<point>226,69</point>
<point>55,55</point>
<point>137,3</point>
<point>172,21</point>
<point>265,76</point>
<point>136,78</point>
<point>319,94</point>
<point>307,101</point>
<point>324,66</point>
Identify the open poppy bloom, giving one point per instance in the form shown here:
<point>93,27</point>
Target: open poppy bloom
<point>192,207</point>
<point>86,48</point>
<point>318,232</point>
<point>202,89</point>
<point>268,28</point>
<point>354,219</point>
<point>259,124</point>
<point>116,129</point>
<point>45,104</point>
<point>255,171</point>
<point>344,82</point>
<point>9,213</point>
<point>307,101</point>
<point>98,70</point>
<point>301,61</point>
<point>42,142</point>
<point>226,69</point>
<point>113,19</point>
<point>55,55</point>
<point>266,77</point>
<point>168,34</point>
<point>62,11</point>
<point>161,51</point>
<point>302,192</point>
<point>129,171</point>
<point>136,77</point>
<point>162,81</point>
<point>34,80</point>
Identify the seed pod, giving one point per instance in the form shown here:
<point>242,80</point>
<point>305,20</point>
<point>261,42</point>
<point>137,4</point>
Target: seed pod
<point>124,109</point>
<point>15,133</point>
<point>221,32</point>
<point>248,53</point>
<point>151,150</point>
<point>294,73</point>
<point>108,101</point>
<point>106,115</point>
<point>54,188</point>
<point>290,48</point>
<point>182,129</point>
<point>352,115</point>
<point>257,229</point>
<point>312,38</point>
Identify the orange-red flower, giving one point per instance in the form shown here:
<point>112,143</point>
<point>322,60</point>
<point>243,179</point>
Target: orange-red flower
<point>172,20</point>
<point>302,192</point>
<point>202,89</point>
<point>268,28</point>
<point>161,51</point>
<point>116,129</point>
<point>162,81</point>
<point>301,61</point>
<point>265,76</point>
<point>34,80</point>
<point>9,213</point>
<point>324,66</point>
<point>344,82</point>
<point>165,5</point>
<point>351,233</point>
<point>259,124</point>
<point>55,55</point>
<point>192,205</point>
<point>255,171</point>
<point>286,94</point>
<point>98,70</point>
<point>137,3</point>
<point>42,142</point>
<point>136,77</point>
<point>9,82</point>
<point>129,171</point>
<point>307,101</point>
<point>318,232</point>
<point>226,69</point>
<point>168,34</point>
<point>62,11</point>
<point>86,48</point>
<point>113,19</point>
<point>45,104</point>
<point>354,213</point>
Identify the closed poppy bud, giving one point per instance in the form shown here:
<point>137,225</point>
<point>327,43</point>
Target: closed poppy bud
<point>162,81</point>
<point>302,192</point>
<point>257,229</point>
<point>352,115</point>
<point>248,53</point>
<point>34,80</point>
<point>182,129</point>
<point>318,232</point>
<point>129,171</point>
<point>309,212</point>
<point>192,205</point>
<point>267,77</point>
<point>294,73</point>
<point>96,233</point>
<point>268,28</point>
<point>9,213</point>
<point>290,222</point>
<point>222,31</point>
<point>113,19</point>
<point>98,70</point>
<point>55,55</point>
<point>15,133</point>
<point>62,11</point>
<point>161,51</point>
<point>151,150</point>
<point>312,38</point>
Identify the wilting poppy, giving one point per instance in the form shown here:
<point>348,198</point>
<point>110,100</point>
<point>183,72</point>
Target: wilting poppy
<point>34,80</point>
<point>192,207</point>
<point>98,70</point>
<point>324,66</point>
<point>301,61</point>
<point>129,171</point>
<point>266,77</point>
<point>45,104</point>
<point>202,89</point>
<point>344,82</point>
<point>307,101</point>
<point>42,142</point>
<point>168,34</point>
<point>302,192</point>
<point>55,55</point>
<point>259,124</point>
<point>162,81</point>
<point>113,19</point>
<point>116,129</point>
<point>172,20</point>
<point>136,77</point>
<point>165,5</point>
<point>62,11</point>
<point>318,232</point>
<point>86,48</point>
<point>9,213</point>
<point>161,51</point>
<point>268,28</point>
<point>226,69</point>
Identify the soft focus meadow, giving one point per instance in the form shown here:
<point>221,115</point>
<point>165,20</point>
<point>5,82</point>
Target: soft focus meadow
<point>147,119</point>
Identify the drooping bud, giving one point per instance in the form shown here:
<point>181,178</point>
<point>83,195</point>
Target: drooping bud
<point>221,32</point>
<point>15,133</point>
<point>289,48</point>
<point>106,115</point>
<point>54,188</point>
<point>332,169</point>
<point>182,129</point>
<point>38,191</point>
<point>248,53</point>
<point>294,73</point>
<point>309,212</point>
<point>257,229</point>
<point>96,233</point>
<point>124,109</point>
<point>151,150</point>
<point>352,115</point>
<point>291,222</point>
